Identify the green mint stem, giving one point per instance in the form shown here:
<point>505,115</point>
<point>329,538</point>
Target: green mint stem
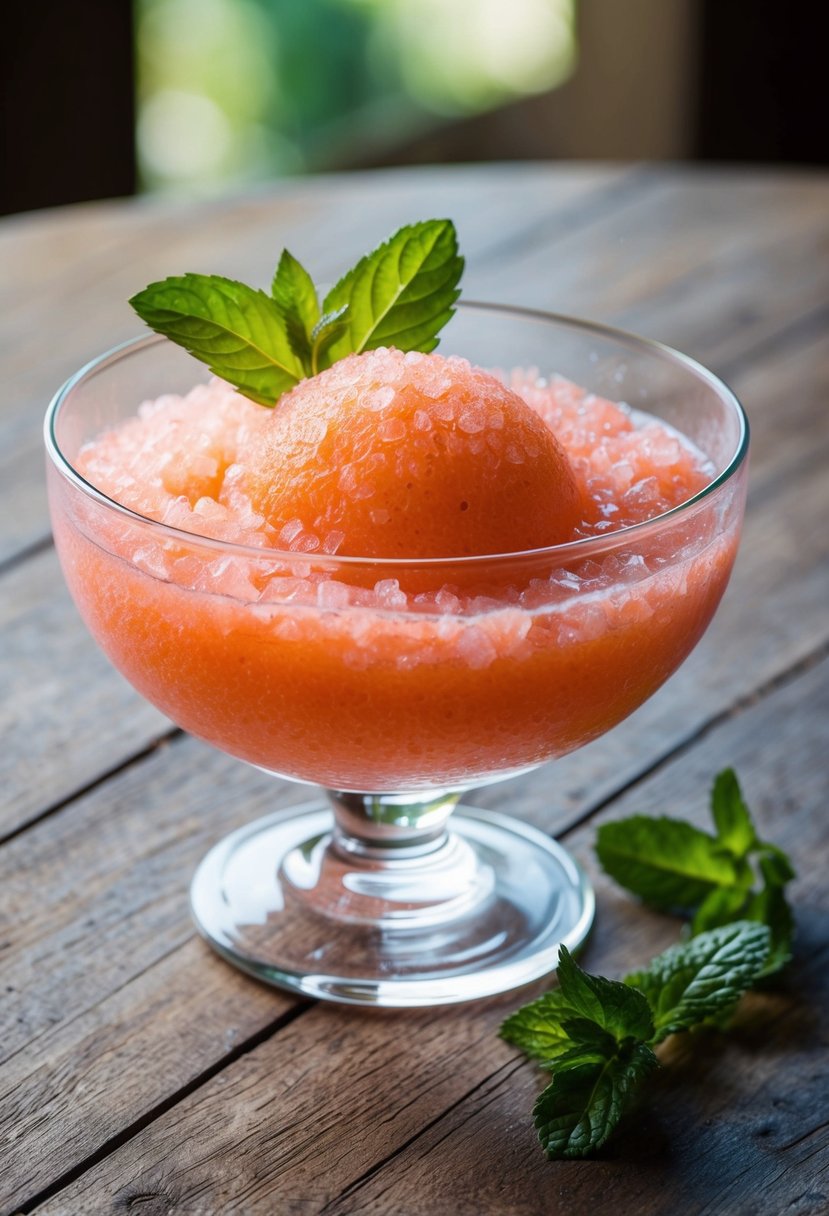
<point>401,294</point>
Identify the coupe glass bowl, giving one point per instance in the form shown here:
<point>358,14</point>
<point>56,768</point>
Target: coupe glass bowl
<point>397,685</point>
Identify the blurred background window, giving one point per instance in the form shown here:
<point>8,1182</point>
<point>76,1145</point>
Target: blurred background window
<point>99,98</point>
<point>235,90</point>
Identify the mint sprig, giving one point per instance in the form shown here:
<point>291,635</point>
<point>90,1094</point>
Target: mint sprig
<point>597,1036</point>
<point>401,294</point>
<point>715,879</point>
<point>601,1063</point>
<point>538,1028</point>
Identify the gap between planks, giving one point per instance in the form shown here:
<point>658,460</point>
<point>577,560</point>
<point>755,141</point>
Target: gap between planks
<point>784,341</point>
<point>502,1073</point>
<point>160,1108</point>
<point>128,762</point>
<point>39,545</point>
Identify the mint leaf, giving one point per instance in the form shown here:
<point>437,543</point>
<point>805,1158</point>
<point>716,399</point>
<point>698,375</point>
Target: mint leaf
<point>237,331</point>
<point>612,1005</point>
<point>775,865</point>
<point>581,1053</point>
<point>584,1103</point>
<point>588,1033</point>
<point>735,829</point>
<point>401,294</point>
<point>589,1042</point>
<point>537,1027</point>
<point>767,907</point>
<point>666,862</point>
<point>721,907</point>
<point>692,982</point>
<point>294,291</point>
<point>770,908</point>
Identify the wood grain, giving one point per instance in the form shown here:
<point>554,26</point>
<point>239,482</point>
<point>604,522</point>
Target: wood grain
<point>350,1092</point>
<point>122,831</point>
<point>141,1073</point>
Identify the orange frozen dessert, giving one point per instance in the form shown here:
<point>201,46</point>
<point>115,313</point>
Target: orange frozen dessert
<point>410,455</point>
<point>293,640</point>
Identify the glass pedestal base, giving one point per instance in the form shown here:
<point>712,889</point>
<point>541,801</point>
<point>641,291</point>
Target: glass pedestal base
<point>481,910</point>
<point>477,911</point>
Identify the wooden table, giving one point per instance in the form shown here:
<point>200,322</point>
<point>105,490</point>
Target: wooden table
<point>141,1073</point>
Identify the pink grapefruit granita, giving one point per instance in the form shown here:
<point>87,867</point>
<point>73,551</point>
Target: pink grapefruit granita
<point>350,673</point>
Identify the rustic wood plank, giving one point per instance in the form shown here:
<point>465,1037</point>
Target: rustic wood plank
<point>691,263</point>
<point>687,242</point>
<point>374,1109</point>
<point>110,897</point>
<point>72,1058</point>
<point>71,272</point>
<point>111,1003</point>
<point>136,839</point>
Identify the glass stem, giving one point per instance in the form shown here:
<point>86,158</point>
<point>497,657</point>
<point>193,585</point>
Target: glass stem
<point>409,825</point>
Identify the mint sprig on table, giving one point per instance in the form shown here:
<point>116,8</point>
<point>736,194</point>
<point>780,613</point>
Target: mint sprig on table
<point>601,1060</point>
<point>716,879</point>
<point>597,1036</point>
<point>401,294</point>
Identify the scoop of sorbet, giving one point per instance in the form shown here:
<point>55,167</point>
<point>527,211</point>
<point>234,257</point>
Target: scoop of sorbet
<point>399,455</point>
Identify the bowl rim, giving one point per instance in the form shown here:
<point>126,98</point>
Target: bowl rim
<point>581,548</point>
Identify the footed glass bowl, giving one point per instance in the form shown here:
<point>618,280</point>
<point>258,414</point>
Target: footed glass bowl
<point>398,685</point>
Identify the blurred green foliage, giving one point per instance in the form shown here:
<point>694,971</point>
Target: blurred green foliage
<point>235,90</point>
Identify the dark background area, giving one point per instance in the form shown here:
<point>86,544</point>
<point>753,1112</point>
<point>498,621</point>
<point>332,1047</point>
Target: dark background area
<point>753,90</point>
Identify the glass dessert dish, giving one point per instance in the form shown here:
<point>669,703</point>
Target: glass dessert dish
<point>397,685</point>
